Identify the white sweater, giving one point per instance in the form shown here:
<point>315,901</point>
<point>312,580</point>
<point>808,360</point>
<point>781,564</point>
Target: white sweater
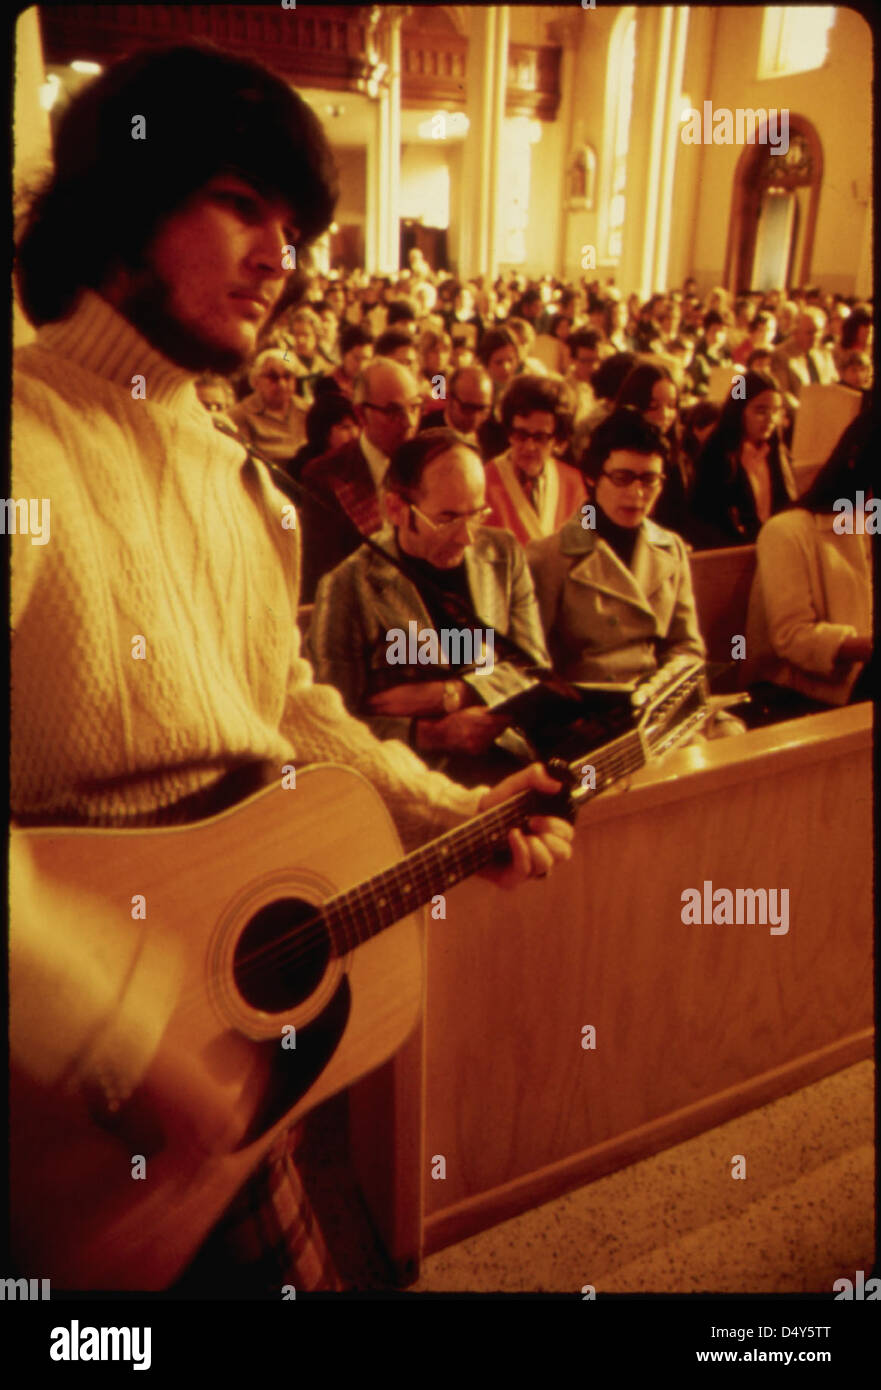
<point>812,589</point>
<point>159,528</point>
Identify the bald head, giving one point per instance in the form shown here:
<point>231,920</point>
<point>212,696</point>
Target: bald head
<point>387,402</point>
<point>380,375</point>
<point>470,398</point>
<point>805,332</point>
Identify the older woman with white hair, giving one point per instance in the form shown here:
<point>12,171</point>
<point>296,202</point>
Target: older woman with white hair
<point>271,419</point>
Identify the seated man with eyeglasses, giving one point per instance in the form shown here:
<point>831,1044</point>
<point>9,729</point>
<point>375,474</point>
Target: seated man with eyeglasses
<point>469,398</point>
<point>614,589</point>
<point>530,491</point>
<point>394,644</point>
<point>346,481</point>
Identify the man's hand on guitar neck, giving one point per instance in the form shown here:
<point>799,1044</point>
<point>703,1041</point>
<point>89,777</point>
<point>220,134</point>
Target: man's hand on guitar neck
<point>549,840</point>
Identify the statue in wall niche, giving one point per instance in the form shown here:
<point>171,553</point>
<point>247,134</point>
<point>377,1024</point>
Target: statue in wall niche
<point>580,179</point>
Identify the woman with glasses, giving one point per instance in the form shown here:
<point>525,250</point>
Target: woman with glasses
<point>530,491</point>
<point>614,589</point>
<point>271,419</point>
<point>743,472</point>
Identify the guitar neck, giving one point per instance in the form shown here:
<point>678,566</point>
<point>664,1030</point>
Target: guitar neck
<point>357,915</point>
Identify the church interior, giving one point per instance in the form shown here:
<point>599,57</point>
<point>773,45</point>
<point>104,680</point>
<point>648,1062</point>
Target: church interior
<point>598,1093</point>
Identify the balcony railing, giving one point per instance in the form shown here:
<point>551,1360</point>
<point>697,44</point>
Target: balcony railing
<point>313,46</point>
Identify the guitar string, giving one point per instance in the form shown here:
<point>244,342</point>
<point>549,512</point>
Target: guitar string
<point>357,901</point>
<point>475,835</point>
<point>425,864</point>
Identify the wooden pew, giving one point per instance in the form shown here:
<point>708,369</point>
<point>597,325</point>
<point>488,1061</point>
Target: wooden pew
<point>695,1024</point>
<point>722,580</point>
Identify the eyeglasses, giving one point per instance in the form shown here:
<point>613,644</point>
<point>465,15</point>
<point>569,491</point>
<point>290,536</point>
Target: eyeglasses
<point>471,519</point>
<point>277,376</point>
<point>523,436</point>
<point>625,477</point>
<point>395,411</point>
<point>469,408</point>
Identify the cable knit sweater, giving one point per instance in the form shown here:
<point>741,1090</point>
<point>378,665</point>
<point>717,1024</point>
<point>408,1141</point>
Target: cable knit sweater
<point>162,529</point>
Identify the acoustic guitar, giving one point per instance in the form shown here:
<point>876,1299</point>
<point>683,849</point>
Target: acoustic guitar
<point>287,937</point>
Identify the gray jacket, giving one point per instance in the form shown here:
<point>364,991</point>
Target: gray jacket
<point>363,599</point>
<point>605,622</point>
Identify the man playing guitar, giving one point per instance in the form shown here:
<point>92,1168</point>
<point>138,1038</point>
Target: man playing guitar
<point>156,652</point>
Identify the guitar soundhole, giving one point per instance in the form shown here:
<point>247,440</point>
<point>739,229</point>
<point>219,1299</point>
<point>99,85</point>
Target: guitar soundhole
<point>281,955</point>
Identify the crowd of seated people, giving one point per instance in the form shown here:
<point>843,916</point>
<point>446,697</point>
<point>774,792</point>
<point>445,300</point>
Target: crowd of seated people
<point>547,388</point>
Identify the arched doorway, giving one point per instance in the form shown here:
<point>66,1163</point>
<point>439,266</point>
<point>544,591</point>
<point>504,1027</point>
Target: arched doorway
<point>774,213</point>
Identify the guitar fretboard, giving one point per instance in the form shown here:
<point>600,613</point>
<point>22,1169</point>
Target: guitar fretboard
<point>356,916</point>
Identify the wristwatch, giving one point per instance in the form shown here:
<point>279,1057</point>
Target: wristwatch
<point>452,697</point>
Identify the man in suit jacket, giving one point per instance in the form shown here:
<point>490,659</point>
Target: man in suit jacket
<point>798,362</point>
<point>345,482</point>
<point>369,617</point>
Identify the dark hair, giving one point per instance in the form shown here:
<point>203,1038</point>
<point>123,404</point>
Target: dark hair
<point>623,429</point>
<point>637,387</point>
<point>392,339</point>
<point>495,338</point>
<point>410,459</point>
<point>329,409</point>
<point>206,112</point>
<point>525,394</point>
<point>855,357</point>
<point>711,317</point>
<point>353,335</point>
<point>701,414</point>
<point>858,318</point>
<point>558,319</point>
<point>531,295</point>
<point>611,373</point>
<point>400,311</point>
<point>584,338</point>
<point>847,468</point>
<point>728,434</point>
<point>757,352</point>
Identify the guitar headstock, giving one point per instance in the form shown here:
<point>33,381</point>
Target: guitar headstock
<point>671,706</point>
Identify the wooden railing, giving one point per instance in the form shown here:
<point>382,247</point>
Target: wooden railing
<point>315,46</point>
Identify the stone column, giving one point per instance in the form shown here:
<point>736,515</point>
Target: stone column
<point>653,42</point>
<point>485,108</point>
<point>393,186</point>
<point>670,143</point>
<point>383,88</point>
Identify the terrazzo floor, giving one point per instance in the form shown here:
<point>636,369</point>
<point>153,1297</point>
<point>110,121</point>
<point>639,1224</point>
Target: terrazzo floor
<point>677,1222</point>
